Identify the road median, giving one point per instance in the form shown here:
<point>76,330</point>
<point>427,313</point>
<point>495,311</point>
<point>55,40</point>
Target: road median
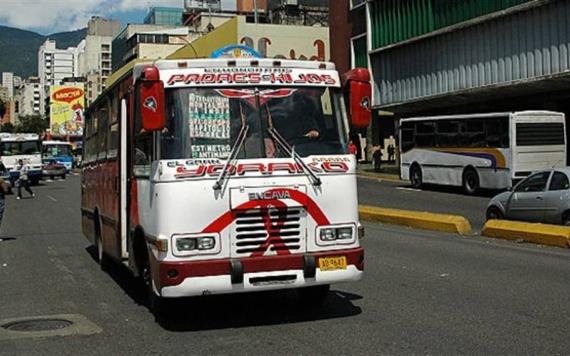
<point>417,219</point>
<point>544,234</point>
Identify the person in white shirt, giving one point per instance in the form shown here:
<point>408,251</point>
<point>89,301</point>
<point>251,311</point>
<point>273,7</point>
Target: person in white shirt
<point>23,179</point>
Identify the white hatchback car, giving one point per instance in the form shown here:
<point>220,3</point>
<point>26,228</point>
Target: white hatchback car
<point>541,197</point>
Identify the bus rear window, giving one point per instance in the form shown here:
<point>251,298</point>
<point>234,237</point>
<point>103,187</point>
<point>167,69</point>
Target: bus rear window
<point>540,134</point>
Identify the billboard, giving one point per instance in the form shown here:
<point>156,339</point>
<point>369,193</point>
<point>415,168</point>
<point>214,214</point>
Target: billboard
<point>66,110</point>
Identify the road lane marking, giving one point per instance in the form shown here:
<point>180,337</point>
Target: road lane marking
<point>409,189</point>
<point>52,198</point>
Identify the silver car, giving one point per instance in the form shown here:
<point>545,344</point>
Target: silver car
<point>541,197</point>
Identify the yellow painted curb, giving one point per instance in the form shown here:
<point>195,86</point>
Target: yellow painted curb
<point>552,235</point>
<point>417,219</point>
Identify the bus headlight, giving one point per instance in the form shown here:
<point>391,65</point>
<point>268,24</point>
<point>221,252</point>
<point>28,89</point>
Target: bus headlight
<point>206,243</point>
<point>328,234</point>
<point>336,234</point>
<point>344,233</point>
<point>185,244</point>
<point>195,244</point>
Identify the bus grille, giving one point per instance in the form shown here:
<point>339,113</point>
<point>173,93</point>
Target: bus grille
<point>269,231</point>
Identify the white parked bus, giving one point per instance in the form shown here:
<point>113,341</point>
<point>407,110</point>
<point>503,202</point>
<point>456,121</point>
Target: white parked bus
<point>481,150</point>
<point>24,146</point>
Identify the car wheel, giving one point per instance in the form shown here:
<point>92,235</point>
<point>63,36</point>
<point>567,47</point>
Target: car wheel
<point>494,213</point>
<point>416,176</point>
<point>470,181</point>
<point>63,176</point>
<point>566,218</point>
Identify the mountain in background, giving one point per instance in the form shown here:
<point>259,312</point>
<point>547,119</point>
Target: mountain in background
<point>19,52</point>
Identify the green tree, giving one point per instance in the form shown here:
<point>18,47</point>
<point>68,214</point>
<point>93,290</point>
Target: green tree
<point>2,108</point>
<point>7,127</point>
<point>32,124</point>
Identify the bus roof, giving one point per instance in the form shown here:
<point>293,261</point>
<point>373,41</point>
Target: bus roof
<point>481,116</point>
<point>56,143</point>
<point>7,136</point>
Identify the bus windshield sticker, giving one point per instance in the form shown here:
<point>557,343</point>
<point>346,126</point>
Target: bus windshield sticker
<point>209,125</point>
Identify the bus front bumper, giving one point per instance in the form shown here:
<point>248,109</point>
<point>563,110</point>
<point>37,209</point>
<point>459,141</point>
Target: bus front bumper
<point>255,274</point>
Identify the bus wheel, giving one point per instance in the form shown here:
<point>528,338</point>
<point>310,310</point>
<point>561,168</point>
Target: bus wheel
<point>494,213</point>
<point>470,181</point>
<point>158,306</point>
<point>313,296</point>
<point>416,176</point>
<point>102,258</point>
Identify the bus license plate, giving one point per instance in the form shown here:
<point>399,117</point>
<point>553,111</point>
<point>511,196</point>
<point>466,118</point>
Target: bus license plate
<point>332,263</point>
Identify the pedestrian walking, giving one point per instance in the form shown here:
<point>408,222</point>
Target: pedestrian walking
<point>23,180</point>
<point>391,153</point>
<point>3,191</point>
<point>377,157</point>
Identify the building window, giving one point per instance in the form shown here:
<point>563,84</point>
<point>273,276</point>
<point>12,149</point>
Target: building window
<point>359,52</point>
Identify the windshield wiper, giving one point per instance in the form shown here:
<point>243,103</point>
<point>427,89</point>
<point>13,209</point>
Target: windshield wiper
<point>234,151</point>
<point>290,151</point>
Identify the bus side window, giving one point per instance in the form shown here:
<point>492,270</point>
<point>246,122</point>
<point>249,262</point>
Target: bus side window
<point>142,154</point>
<point>497,132</point>
<point>447,133</point>
<point>425,134</point>
<point>473,134</point>
<point>103,128</point>
<point>407,139</point>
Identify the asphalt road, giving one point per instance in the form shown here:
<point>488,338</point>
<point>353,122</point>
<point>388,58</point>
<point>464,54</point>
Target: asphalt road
<point>423,293</point>
<point>436,199</point>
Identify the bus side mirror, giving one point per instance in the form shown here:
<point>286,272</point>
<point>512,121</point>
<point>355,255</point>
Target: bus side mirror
<point>357,83</point>
<point>152,100</point>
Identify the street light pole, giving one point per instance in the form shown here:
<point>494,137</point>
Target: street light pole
<point>255,16</point>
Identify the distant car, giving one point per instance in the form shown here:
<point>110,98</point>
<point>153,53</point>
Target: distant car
<point>52,168</point>
<point>541,197</point>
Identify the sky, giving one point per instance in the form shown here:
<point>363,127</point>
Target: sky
<point>51,16</point>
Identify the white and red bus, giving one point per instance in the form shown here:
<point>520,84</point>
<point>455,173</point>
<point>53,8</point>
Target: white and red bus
<point>211,176</point>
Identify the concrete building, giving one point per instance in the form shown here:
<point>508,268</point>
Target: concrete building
<point>169,16</point>
<point>140,41</point>
<point>431,57</point>
<point>8,83</point>
<point>28,98</point>
<point>54,64</point>
<point>95,58</point>
<point>270,40</point>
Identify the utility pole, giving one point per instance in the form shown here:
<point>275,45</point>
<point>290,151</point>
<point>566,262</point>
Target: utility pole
<point>255,16</point>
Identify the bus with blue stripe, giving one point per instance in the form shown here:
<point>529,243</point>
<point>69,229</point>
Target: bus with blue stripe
<point>60,151</point>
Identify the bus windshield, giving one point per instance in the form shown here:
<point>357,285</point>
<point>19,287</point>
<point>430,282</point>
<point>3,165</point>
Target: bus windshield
<point>51,150</point>
<point>205,122</point>
<point>16,148</point>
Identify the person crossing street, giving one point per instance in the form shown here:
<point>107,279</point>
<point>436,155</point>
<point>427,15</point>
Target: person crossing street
<point>23,179</point>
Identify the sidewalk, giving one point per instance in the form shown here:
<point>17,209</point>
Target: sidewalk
<point>389,171</point>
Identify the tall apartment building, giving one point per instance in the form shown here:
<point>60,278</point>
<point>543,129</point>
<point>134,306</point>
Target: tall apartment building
<point>8,83</point>
<point>54,64</point>
<point>28,98</point>
<point>94,61</point>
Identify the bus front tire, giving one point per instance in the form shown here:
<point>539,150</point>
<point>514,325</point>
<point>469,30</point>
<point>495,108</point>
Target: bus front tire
<point>470,181</point>
<point>416,176</point>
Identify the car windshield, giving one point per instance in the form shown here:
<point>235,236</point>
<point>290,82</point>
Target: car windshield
<point>56,150</point>
<point>20,148</point>
<point>205,122</point>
